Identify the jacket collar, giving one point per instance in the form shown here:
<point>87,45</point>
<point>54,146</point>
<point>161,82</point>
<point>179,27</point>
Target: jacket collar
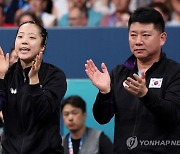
<point>131,62</point>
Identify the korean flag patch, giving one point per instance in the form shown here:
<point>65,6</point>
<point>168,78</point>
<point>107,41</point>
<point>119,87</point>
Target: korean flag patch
<point>155,82</point>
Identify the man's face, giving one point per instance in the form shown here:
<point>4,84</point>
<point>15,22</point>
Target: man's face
<point>121,5</point>
<point>76,18</point>
<point>25,18</point>
<point>2,17</point>
<point>176,5</point>
<point>73,117</point>
<point>79,3</point>
<point>37,5</point>
<point>145,41</point>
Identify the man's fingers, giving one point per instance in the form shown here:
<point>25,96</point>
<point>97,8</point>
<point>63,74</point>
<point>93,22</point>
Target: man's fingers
<point>132,81</point>
<point>7,57</point>
<point>1,52</point>
<point>137,77</point>
<point>91,66</point>
<point>104,68</point>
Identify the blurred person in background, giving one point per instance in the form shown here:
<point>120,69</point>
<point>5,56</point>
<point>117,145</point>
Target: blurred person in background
<point>175,17</point>
<point>3,17</point>
<point>141,3</point>
<point>13,58</point>
<point>5,4</point>
<point>12,8</point>
<point>105,7</point>
<point>163,9</point>
<point>40,9</point>
<point>94,17</point>
<point>60,8</point>
<point>167,2</point>
<point>121,13</point>
<point>78,17</point>
<point>27,16</point>
<point>124,20</point>
<point>82,139</point>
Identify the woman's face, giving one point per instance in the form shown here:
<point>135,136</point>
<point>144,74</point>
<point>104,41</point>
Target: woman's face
<point>28,43</point>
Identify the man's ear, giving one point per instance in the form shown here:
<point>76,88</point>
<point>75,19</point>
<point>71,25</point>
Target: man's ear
<point>163,38</point>
<point>85,115</point>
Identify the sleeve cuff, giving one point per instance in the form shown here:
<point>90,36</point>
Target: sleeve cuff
<point>105,96</point>
<point>35,89</point>
<point>149,98</point>
<point>1,84</point>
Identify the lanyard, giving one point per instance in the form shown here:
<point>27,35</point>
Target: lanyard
<point>70,144</point>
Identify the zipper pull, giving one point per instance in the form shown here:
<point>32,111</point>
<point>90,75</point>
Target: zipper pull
<point>24,79</point>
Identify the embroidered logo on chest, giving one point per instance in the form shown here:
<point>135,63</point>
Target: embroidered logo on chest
<point>155,82</point>
<point>13,91</point>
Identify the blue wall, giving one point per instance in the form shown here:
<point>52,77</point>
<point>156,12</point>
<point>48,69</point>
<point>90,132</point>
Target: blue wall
<point>70,48</point>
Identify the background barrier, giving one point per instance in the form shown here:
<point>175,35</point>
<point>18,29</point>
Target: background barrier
<point>70,48</point>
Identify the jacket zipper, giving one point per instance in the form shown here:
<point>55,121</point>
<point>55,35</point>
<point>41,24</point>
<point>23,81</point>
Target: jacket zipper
<point>135,122</point>
<point>22,117</point>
